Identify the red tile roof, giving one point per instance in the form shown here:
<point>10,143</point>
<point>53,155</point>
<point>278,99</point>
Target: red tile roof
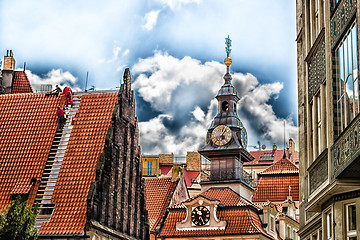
<point>79,165</point>
<point>27,125</point>
<point>21,83</point>
<point>239,222</point>
<point>282,166</point>
<point>261,159</point>
<point>275,188</point>
<point>226,196</point>
<point>159,192</point>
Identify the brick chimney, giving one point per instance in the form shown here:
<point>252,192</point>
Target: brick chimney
<point>193,161</point>
<point>8,71</point>
<point>166,159</point>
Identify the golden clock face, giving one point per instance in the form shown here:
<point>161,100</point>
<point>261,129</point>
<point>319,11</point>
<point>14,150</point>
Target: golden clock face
<point>221,135</point>
<point>200,215</point>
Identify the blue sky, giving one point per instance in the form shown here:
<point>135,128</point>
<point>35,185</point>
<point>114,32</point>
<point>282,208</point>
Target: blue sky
<point>175,51</point>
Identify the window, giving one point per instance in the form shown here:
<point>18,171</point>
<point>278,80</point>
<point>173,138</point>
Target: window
<point>318,124</point>
<point>149,168</point>
<point>329,226</point>
<point>350,222</point>
<point>225,106</point>
<point>347,83</point>
<point>295,235</point>
<point>288,232</point>
<point>272,224</point>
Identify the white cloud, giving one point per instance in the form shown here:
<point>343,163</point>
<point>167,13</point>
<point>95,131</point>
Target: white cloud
<point>126,52</point>
<point>173,4</point>
<point>183,90</point>
<point>151,19</point>
<point>54,77</point>
<point>198,114</point>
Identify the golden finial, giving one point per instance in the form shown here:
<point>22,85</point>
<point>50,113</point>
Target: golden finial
<point>228,60</point>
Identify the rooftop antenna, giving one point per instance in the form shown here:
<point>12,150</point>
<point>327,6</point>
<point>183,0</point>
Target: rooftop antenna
<point>284,156</point>
<point>24,66</point>
<point>86,81</point>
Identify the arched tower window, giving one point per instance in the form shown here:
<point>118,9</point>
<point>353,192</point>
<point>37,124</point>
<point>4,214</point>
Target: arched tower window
<point>225,106</point>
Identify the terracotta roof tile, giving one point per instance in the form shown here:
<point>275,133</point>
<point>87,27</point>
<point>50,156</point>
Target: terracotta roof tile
<point>283,166</point>
<point>239,221</point>
<point>269,157</point>
<point>158,195</point>
<point>21,83</point>
<point>27,126</point>
<point>226,196</point>
<point>79,165</point>
<point>275,188</point>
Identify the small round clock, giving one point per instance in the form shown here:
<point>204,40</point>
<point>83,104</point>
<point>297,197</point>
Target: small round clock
<point>221,135</point>
<point>244,138</point>
<point>200,215</point>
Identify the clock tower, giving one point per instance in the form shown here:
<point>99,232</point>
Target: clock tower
<point>226,139</point>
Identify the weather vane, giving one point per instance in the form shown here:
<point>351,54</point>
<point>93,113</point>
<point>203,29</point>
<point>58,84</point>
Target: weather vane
<point>228,60</point>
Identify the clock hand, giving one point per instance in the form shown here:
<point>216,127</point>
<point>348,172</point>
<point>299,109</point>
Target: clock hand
<point>202,219</point>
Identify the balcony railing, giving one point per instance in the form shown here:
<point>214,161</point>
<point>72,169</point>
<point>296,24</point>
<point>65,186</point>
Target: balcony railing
<point>318,171</point>
<point>346,148</point>
<point>226,173</point>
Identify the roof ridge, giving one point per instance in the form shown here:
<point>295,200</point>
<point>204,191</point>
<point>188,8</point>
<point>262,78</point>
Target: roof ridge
<point>273,168</point>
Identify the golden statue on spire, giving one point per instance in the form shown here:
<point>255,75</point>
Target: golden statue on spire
<point>228,60</point>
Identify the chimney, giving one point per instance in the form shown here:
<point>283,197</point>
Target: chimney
<point>193,161</point>
<point>167,159</point>
<point>8,71</point>
<point>291,148</point>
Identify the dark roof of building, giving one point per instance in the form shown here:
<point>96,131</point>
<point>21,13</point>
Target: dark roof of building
<point>21,83</point>
<point>28,125</point>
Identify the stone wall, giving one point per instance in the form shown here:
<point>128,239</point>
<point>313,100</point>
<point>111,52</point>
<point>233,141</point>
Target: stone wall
<point>117,198</point>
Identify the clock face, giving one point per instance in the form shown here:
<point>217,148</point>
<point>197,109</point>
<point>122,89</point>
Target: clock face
<point>221,135</point>
<point>243,137</point>
<point>200,215</point>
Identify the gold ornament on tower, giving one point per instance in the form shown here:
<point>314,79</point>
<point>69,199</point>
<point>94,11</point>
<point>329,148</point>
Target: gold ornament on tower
<point>228,61</point>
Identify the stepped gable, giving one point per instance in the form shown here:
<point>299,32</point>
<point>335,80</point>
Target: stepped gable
<point>79,164</point>
<point>283,166</point>
<point>27,128</point>
<point>239,221</point>
<point>21,83</point>
<point>276,181</point>
<point>158,196</point>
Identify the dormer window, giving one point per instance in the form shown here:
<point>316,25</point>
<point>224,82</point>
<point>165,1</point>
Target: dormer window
<point>267,157</point>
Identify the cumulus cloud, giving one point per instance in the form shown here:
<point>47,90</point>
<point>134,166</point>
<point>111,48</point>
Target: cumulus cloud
<point>151,19</point>
<point>54,77</point>
<point>183,91</point>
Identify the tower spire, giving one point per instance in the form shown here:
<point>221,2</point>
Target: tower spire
<point>228,60</point>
